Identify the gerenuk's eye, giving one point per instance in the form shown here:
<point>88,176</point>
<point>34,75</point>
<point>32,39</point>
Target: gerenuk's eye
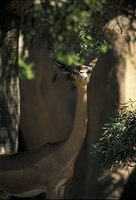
<point>89,71</point>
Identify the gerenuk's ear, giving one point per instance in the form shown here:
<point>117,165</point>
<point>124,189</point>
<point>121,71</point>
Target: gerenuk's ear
<point>93,63</point>
<point>63,67</point>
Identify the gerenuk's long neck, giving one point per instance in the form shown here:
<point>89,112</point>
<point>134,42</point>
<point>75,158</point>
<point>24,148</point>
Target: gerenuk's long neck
<point>76,138</point>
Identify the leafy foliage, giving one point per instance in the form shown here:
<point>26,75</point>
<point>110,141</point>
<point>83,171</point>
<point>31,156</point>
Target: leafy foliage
<point>68,28</point>
<point>95,39</point>
<point>72,30</point>
<point>26,69</point>
<point>117,146</point>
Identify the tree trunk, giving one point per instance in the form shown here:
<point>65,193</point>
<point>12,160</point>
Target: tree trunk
<point>10,10</point>
<point>9,84</point>
<point>18,7</point>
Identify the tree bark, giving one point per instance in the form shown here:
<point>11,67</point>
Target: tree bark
<point>10,12</point>
<point>16,6</point>
<point>9,84</point>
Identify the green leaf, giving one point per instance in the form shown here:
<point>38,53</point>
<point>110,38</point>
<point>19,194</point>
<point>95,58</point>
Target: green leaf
<point>26,70</point>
